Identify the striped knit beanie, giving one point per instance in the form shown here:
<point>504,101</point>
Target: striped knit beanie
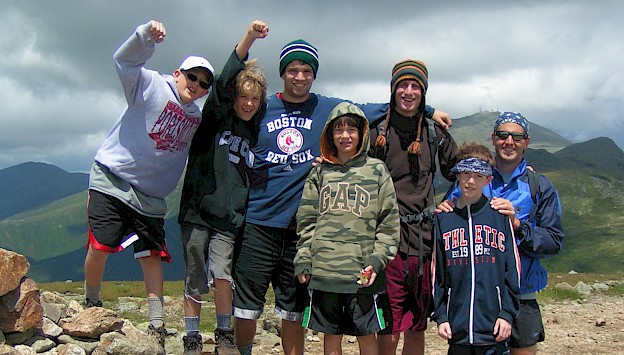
<point>299,50</point>
<point>406,69</point>
<point>409,69</point>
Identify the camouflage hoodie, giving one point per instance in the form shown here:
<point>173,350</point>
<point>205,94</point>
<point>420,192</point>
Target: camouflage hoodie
<point>348,217</point>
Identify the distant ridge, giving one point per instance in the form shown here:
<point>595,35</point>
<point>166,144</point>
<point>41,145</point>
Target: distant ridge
<point>478,128</point>
<point>598,153</point>
<point>31,185</point>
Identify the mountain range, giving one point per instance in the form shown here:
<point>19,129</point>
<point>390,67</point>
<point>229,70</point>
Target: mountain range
<point>43,208</point>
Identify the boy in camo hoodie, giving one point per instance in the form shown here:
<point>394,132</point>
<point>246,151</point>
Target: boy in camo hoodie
<point>348,224</point>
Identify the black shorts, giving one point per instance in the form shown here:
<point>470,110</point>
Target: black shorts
<point>265,256</point>
<point>343,313</point>
<point>494,349</point>
<point>114,226</point>
<point>527,328</point>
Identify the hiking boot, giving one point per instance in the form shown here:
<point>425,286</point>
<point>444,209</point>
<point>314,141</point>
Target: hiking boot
<point>158,333</point>
<point>224,342</point>
<point>192,344</point>
<point>90,303</point>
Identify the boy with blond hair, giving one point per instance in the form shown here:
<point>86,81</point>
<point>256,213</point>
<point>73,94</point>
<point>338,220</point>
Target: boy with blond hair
<point>214,194</point>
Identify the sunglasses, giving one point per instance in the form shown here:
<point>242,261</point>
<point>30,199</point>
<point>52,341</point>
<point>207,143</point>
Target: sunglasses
<point>192,77</point>
<point>516,136</point>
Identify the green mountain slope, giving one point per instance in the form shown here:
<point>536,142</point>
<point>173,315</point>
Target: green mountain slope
<point>31,185</point>
<point>593,216</point>
<point>48,231</point>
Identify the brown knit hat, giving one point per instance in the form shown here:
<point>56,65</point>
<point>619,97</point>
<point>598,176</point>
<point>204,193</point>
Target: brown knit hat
<point>409,69</point>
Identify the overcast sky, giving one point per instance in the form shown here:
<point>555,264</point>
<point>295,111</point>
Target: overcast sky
<point>560,63</point>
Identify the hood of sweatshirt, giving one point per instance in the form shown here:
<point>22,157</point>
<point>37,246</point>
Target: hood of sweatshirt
<point>328,152</point>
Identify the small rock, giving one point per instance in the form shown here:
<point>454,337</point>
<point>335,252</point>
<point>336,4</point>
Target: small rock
<point>583,288</point>
<point>599,286</point>
<point>600,322</point>
<point>564,286</point>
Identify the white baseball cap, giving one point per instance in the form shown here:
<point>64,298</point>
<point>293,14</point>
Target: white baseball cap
<point>195,62</point>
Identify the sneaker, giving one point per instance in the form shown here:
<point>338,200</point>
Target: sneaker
<point>192,344</point>
<point>90,303</point>
<point>225,344</point>
<point>159,333</point>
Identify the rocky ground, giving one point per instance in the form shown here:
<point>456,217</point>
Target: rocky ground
<point>594,325</point>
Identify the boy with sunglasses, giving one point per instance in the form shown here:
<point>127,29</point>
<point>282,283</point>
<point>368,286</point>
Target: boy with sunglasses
<point>140,163</point>
<point>538,229</point>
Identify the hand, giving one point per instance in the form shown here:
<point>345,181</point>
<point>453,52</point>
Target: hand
<point>505,207</point>
<point>444,331</point>
<point>502,329</point>
<point>317,161</point>
<point>258,29</point>
<point>445,206</point>
<point>303,278</point>
<point>157,31</point>
<point>371,275</point>
<point>442,118</point>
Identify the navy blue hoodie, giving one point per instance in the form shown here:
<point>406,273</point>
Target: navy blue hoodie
<point>476,272</point>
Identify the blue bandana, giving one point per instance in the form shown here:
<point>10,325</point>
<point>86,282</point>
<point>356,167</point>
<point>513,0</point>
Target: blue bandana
<point>473,165</point>
<point>513,117</point>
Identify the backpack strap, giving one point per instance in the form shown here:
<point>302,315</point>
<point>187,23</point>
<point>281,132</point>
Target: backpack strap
<point>533,187</point>
<point>433,144</point>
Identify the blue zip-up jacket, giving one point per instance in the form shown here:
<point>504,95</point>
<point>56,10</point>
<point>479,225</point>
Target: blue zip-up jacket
<point>475,272</point>
<point>536,239</point>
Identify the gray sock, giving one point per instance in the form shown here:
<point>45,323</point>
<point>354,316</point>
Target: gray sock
<point>245,350</point>
<point>155,311</point>
<point>92,293</point>
<point>191,324</point>
<point>224,321</point>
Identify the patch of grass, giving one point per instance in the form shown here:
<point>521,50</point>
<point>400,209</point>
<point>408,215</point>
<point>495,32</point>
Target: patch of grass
<point>588,278</point>
<point>616,290</point>
<point>111,290</point>
<point>551,294</point>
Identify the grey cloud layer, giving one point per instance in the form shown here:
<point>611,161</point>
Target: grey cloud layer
<point>558,63</point>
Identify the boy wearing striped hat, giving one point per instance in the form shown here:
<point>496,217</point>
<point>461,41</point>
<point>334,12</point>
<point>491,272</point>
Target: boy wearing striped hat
<point>409,145</point>
<point>288,143</point>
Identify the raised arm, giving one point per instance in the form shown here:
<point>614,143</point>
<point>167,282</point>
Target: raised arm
<point>132,55</point>
<point>257,29</point>
<point>223,92</point>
